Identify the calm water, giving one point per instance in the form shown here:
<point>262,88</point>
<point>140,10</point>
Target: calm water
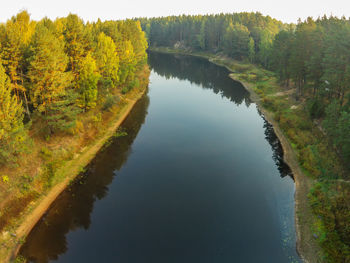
<point>198,178</point>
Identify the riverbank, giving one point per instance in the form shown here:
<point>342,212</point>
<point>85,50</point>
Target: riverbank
<point>307,246</point>
<point>15,232</point>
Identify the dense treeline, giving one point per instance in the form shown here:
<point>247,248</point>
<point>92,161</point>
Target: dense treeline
<point>312,61</point>
<point>240,35</point>
<point>313,56</point>
<point>52,71</point>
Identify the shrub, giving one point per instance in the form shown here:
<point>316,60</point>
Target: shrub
<point>110,101</point>
<point>292,135</point>
<point>309,161</point>
<point>259,91</point>
<point>79,127</point>
<point>50,171</point>
<point>316,108</point>
<point>97,118</point>
<point>125,90</point>
<point>45,153</point>
<point>5,179</point>
<point>131,85</point>
<point>269,104</point>
<point>106,85</point>
<point>20,259</point>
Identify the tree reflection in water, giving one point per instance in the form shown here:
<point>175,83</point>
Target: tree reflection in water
<point>73,209</point>
<point>201,72</point>
<point>74,206</point>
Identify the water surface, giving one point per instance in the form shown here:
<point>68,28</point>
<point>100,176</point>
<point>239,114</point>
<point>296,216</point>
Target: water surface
<point>198,178</point>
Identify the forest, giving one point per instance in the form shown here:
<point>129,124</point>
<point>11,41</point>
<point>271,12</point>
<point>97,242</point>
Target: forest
<point>52,71</point>
<point>309,60</point>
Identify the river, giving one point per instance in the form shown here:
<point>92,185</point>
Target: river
<point>199,177</point>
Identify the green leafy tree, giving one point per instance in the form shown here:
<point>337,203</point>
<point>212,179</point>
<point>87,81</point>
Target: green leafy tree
<point>107,59</point>
<point>138,40</point>
<point>127,61</point>
<point>251,49</point>
<point>12,133</point>
<point>88,79</point>
<point>17,34</point>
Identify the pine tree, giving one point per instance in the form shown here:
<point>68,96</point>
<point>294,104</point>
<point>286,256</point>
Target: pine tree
<point>62,112</point>
<point>76,46</point>
<point>47,70</point>
<point>280,55</point>
<point>301,53</point>
<point>336,62</point>
<point>237,41</point>
<point>51,91</point>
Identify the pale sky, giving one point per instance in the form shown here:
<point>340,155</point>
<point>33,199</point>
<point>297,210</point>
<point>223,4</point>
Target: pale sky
<point>90,10</point>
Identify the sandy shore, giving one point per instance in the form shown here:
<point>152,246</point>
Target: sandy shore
<point>71,171</point>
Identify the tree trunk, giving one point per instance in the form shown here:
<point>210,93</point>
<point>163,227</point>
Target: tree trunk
<point>26,102</point>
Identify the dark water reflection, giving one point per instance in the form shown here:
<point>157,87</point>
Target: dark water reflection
<point>72,210</point>
<point>277,150</point>
<point>198,178</point>
<point>201,72</point>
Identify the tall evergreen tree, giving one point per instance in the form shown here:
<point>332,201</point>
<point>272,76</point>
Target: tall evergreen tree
<point>236,41</point>
<point>280,55</point>
<point>76,43</point>
<point>50,88</point>
<point>336,62</point>
<point>47,71</point>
